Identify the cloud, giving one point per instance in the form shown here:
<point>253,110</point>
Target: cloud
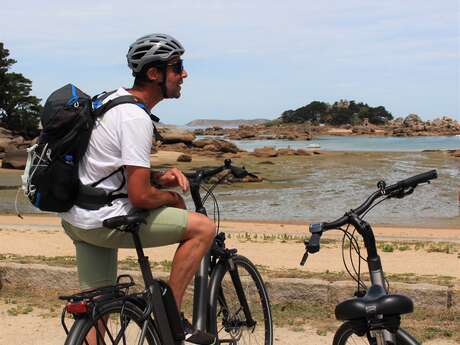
<point>279,53</point>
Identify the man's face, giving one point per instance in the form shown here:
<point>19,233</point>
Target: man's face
<point>175,76</point>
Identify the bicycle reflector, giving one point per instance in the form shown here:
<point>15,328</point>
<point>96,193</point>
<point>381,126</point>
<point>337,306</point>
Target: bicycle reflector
<point>77,307</point>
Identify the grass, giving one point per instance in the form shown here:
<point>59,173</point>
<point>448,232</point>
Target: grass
<point>424,324</point>
<point>129,263</point>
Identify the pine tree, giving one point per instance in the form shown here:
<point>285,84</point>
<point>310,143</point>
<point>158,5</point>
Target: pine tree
<point>19,111</point>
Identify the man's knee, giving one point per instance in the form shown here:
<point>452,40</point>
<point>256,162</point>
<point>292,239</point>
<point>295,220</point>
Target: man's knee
<point>199,226</point>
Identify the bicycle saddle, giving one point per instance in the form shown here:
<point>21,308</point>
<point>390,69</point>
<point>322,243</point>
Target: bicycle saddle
<point>133,218</point>
<point>375,302</point>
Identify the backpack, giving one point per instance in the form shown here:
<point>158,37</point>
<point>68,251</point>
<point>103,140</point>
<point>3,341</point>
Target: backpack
<point>50,179</point>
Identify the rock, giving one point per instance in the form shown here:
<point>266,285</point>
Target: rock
<point>412,120</point>
<point>217,145</point>
<point>15,159</point>
<point>244,134</point>
<point>211,147</point>
<point>302,152</point>
<point>6,136</point>
<point>172,135</point>
<point>455,153</point>
<point>4,143</point>
<point>215,130</point>
<point>265,152</point>
<point>181,147</point>
<point>184,158</point>
<point>286,152</point>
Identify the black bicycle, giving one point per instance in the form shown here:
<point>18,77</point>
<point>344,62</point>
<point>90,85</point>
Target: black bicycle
<point>373,316</point>
<point>230,298</point>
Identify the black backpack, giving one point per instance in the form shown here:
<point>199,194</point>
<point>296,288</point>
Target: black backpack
<point>51,178</point>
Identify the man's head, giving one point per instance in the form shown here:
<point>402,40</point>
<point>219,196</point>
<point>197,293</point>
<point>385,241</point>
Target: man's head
<point>155,59</point>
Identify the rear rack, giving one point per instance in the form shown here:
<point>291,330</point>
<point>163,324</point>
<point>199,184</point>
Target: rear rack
<point>84,302</point>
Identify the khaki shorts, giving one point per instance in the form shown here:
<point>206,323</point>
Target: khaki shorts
<point>97,249</point>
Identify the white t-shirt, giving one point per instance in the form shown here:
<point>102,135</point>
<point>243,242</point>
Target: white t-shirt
<point>122,136</point>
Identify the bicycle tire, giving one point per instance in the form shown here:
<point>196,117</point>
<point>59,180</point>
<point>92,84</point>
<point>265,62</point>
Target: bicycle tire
<point>229,314</point>
<point>114,311</point>
<point>345,335</point>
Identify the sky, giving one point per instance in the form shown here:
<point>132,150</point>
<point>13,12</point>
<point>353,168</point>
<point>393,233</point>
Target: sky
<point>250,59</point>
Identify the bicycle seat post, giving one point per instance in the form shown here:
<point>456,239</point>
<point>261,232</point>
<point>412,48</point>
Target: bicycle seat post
<point>142,259</point>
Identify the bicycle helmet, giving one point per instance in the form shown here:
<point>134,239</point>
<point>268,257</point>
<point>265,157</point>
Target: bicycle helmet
<point>152,48</point>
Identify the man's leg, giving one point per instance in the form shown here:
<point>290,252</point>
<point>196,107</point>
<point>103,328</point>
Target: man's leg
<point>196,241</point>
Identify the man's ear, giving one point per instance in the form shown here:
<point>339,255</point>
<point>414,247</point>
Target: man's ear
<point>154,74</point>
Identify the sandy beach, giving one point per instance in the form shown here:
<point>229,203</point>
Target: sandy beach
<point>42,235</point>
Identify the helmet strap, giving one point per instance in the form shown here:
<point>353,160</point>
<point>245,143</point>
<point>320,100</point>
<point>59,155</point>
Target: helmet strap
<point>164,89</point>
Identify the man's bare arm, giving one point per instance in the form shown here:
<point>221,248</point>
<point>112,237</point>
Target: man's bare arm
<point>143,195</point>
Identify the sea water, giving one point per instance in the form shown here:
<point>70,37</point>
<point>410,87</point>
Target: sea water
<point>360,143</point>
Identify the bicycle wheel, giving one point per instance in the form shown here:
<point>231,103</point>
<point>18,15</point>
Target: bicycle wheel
<point>233,320</point>
<point>119,323</point>
<point>346,335</point>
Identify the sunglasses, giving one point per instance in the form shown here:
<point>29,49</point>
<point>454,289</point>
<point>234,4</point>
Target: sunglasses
<point>177,67</point>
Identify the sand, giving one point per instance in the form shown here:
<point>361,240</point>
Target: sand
<point>42,235</point>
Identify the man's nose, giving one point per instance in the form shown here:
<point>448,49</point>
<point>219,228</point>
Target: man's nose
<point>184,74</point>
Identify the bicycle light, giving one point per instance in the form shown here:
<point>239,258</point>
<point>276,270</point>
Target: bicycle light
<point>77,307</point>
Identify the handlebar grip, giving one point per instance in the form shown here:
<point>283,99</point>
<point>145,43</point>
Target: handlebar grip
<point>313,244</point>
<point>238,172</point>
<point>414,180</point>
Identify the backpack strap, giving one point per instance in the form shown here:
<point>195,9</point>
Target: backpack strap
<point>90,196</point>
<point>99,108</point>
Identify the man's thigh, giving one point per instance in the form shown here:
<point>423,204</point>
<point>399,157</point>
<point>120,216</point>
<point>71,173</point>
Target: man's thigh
<point>97,266</point>
<point>164,226</point>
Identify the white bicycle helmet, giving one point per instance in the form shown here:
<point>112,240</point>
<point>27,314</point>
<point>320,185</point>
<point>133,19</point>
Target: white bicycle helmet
<point>152,48</point>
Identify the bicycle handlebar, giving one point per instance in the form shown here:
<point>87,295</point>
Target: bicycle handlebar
<point>399,190</point>
<point>413,181</point>
<point>202,174</point>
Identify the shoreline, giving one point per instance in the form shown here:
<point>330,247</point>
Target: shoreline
<point>292,227</point>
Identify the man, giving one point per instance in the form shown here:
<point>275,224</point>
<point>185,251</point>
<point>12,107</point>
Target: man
<point>122,137</point>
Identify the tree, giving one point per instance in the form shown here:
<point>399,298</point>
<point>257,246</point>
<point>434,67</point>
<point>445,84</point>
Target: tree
<point>19,111</point>
<point>340,113</point>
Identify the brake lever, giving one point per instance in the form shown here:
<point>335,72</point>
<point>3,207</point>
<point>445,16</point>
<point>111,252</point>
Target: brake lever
<point>305,256</point>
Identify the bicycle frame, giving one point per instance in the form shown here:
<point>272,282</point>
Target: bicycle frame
<point>204,286</point>
<point>376,275</point>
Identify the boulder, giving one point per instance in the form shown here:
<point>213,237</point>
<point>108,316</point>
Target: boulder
<point>217,145</point>
<point>184,158</point>
<point>181,147</point>
<point>15,159</point>
<point>303,152</point>
<point>455,153</point>
<point>4,143</point>
<point>6,136</point>
<point>172,135</point>
<point>412,120</point>
<point>265,152</point>
<point>215,130</point>
<point>286,152</point>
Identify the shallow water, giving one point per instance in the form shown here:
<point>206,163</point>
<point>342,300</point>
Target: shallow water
<point>361,143</point>
<point>323,187</point>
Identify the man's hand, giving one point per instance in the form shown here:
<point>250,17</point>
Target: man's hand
<point>173,178</point>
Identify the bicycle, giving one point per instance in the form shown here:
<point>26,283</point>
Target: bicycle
<point>373,316</point>
<point>230,299</point>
